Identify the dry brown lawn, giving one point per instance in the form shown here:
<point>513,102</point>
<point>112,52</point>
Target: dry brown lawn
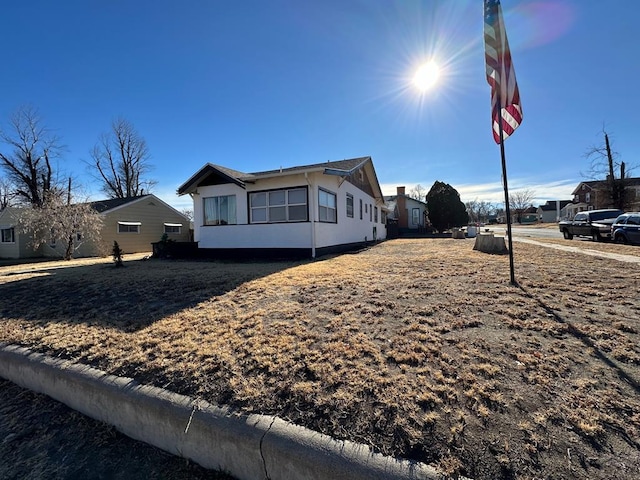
<point>418,348</point>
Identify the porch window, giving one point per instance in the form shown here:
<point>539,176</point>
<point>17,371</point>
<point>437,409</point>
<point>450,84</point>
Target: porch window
<point>220,210</point>
<point>173,228</point>
<point>7,235</point>
<point>349,205</point>
<point>279,206</point>
<point>327,206</point>
<point>129,227</point>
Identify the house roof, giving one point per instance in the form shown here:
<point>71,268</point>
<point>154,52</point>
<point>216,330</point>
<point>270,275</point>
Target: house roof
<point>394,198</point>
<point>212,174</point>
<point>601,184</point>
<point>102,206</point>
<point>551,205</point>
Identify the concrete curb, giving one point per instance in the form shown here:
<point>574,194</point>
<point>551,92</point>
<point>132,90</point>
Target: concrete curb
<point>247,447</point>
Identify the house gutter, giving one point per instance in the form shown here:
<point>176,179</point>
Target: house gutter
<point>312,220</point>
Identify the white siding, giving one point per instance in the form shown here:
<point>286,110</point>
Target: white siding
<point>288,235</point>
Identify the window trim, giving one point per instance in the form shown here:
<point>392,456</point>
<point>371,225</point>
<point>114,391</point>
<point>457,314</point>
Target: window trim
<point>286,205</point>
<point>335,209</point>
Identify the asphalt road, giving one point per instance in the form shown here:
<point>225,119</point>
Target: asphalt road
<point>528,232</point>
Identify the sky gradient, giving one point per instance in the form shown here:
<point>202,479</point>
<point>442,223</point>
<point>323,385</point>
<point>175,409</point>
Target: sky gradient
<point>256,85</point>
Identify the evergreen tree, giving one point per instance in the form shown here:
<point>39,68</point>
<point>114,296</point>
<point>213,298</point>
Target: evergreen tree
<point>446,210</point>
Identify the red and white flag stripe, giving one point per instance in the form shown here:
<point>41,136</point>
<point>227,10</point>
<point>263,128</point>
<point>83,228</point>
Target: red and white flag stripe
<point>505,96</point>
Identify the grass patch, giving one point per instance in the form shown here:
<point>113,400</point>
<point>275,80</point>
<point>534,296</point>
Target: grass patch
<point>417,348</point>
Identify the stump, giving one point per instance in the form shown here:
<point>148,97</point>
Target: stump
<point>486,242</point>
<point>457,233</point>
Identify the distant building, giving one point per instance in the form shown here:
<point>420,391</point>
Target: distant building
<point>552,210</point>
<point>410,215</point>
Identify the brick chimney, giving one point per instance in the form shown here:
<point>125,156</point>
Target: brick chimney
<point>401,205</point>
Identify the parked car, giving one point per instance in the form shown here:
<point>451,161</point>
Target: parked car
<point>591,223</point>
<point>626,228</point>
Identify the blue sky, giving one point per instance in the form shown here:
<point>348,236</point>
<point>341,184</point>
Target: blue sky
<point>255,85</point>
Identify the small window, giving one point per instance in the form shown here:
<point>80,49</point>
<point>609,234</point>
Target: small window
<point>129,227</point>
<point>375,214</point>
<point>370,213</point>
<point>349,205</point>
<point>360,209</point>
<point>587,197</point>
<point>327,206</point>
<point>8,235</point>
<point>175,228</point>
<point>220,210</point>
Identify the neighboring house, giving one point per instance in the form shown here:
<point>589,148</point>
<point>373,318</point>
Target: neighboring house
<point>593,195</point>
<point>551,211</point>
<point>12,243</point>
<point>304,211</point>
<point>529,215</point>
<point>135,223</point>
<point>411,215</point>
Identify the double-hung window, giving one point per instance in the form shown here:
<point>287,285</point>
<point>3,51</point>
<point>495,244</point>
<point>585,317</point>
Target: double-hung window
<point>327,206</point>
<point>220,210</point>
<point>277,206</point>
<point>7,235</point>
<point>349,205</point>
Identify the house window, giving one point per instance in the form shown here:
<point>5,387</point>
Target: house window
<point>349,205</point>
<point>277,206</point>
<point>383,217</point>
<point>129,227</point>
<point>173,228</point>
<point>327,206</point>
<point>375,214</point>
<point>220,210</point>
<point>415,216</point>
<point>370,213</point>
<point>360,209</point>
<point>7,235</point>
<point>587,197</point>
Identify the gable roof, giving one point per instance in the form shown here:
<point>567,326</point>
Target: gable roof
<point>212,174</point>
<point>602,184</point>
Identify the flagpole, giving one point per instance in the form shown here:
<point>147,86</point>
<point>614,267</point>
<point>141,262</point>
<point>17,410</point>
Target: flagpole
<point>506,194</point>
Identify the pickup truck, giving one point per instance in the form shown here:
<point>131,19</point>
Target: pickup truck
<point>592,223</point>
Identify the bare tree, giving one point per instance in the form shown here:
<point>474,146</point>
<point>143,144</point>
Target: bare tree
<point>6,195</point>
<point>418,192</point>
<point>71,223</point>
<point>478,210</point>
<point>27,159</point>
<point>121,158</point>
<point>187,212</point>
<point>520,200</point>
<point>604,164</point>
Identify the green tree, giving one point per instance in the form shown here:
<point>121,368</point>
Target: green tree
<point>446,210</point>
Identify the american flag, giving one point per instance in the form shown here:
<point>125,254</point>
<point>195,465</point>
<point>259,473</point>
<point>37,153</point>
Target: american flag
<point>505,97</point>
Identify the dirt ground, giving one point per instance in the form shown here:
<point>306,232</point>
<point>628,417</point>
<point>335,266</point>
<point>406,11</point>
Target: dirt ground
<point>43,439</point>
<point>418,348</point>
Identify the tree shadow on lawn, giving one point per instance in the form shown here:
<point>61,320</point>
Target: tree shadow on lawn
<point>128,298</point>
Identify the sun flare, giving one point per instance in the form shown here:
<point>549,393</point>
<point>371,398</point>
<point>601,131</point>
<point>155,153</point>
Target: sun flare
<point>426,76</point>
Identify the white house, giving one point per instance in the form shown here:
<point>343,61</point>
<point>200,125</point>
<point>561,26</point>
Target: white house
<point>304,211</point>
<point>410,214</point>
